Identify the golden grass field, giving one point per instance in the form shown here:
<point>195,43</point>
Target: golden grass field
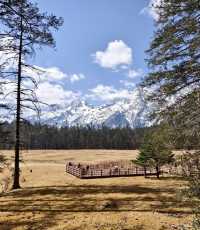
<point>52,199</point>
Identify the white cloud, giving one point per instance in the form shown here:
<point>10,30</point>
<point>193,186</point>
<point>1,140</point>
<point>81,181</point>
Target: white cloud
<point>55,94</point>
<point>46,92</point>
<point>152,9</point>
<point>108,93</point>
<point>53,73</point>
<point>7,55</point>
<point>132,73</point>
<point>128,84</point>
<point>76,77</point>
<point>41,74</point>
<point>50,81</point>
<point>8,89</point>
<point>9,60</point>
<point>116,54</point>
<point>50,88</point>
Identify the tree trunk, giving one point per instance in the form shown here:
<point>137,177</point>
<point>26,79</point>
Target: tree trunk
<point>157,172</point>
<point>16,175</point>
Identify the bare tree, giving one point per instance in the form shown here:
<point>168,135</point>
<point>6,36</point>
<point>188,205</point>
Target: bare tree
<point>24,28</point>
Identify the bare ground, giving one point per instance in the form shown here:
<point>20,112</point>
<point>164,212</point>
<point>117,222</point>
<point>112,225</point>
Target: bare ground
<point>52,199</point>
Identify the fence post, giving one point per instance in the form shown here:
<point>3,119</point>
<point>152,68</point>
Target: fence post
<point>136,170</point>
<point>80,172</point>
<point>101,172</point>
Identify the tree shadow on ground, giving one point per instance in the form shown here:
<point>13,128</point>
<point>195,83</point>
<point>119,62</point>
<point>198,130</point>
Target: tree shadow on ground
<point>31,223</point>
<point>50,201</point>
<point>86,198</point>
<point>87,189</point>
<point>167,178</point>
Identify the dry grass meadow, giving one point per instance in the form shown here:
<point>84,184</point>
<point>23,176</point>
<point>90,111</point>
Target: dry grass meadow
<point>52,199</point>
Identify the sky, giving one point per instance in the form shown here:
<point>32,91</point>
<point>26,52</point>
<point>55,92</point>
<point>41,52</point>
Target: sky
<point>100,50</point>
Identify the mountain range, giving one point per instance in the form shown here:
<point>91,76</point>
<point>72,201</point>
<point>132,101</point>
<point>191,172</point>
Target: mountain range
<point>132,112</point>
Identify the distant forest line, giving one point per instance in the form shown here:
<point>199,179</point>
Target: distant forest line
<point>39,136</point>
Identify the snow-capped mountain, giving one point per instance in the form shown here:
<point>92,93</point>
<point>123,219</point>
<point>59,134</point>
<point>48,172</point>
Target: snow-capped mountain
<point>131,112</point>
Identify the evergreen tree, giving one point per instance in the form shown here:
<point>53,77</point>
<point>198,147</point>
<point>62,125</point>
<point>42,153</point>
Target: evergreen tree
<point>145,152</point>
<point>174,57</point>
<point>161,154</point>
<point>26,28</point>
<point>155,152</point>
<point>37,136</point>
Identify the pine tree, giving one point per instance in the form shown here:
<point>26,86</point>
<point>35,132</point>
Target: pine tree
<point>174,58</point>
<point>27,28</point>
<point>145,152</point>
<point>155,152</point>
<point>161,154</point>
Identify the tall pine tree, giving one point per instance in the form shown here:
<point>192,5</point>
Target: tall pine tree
<point>174,58</point>
<point>26,27</point>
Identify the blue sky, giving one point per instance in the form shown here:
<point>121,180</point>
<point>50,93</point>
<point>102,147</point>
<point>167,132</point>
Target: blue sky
<point>100,49</point>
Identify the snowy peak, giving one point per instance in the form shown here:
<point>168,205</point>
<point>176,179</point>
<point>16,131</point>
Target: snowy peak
<point>132,112</point>
<point>116,120</point>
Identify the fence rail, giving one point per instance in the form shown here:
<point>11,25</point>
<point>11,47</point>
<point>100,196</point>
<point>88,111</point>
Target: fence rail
<point>84,173</point>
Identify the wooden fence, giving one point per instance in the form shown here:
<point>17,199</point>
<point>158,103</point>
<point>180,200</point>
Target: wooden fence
<point>88,172</point>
